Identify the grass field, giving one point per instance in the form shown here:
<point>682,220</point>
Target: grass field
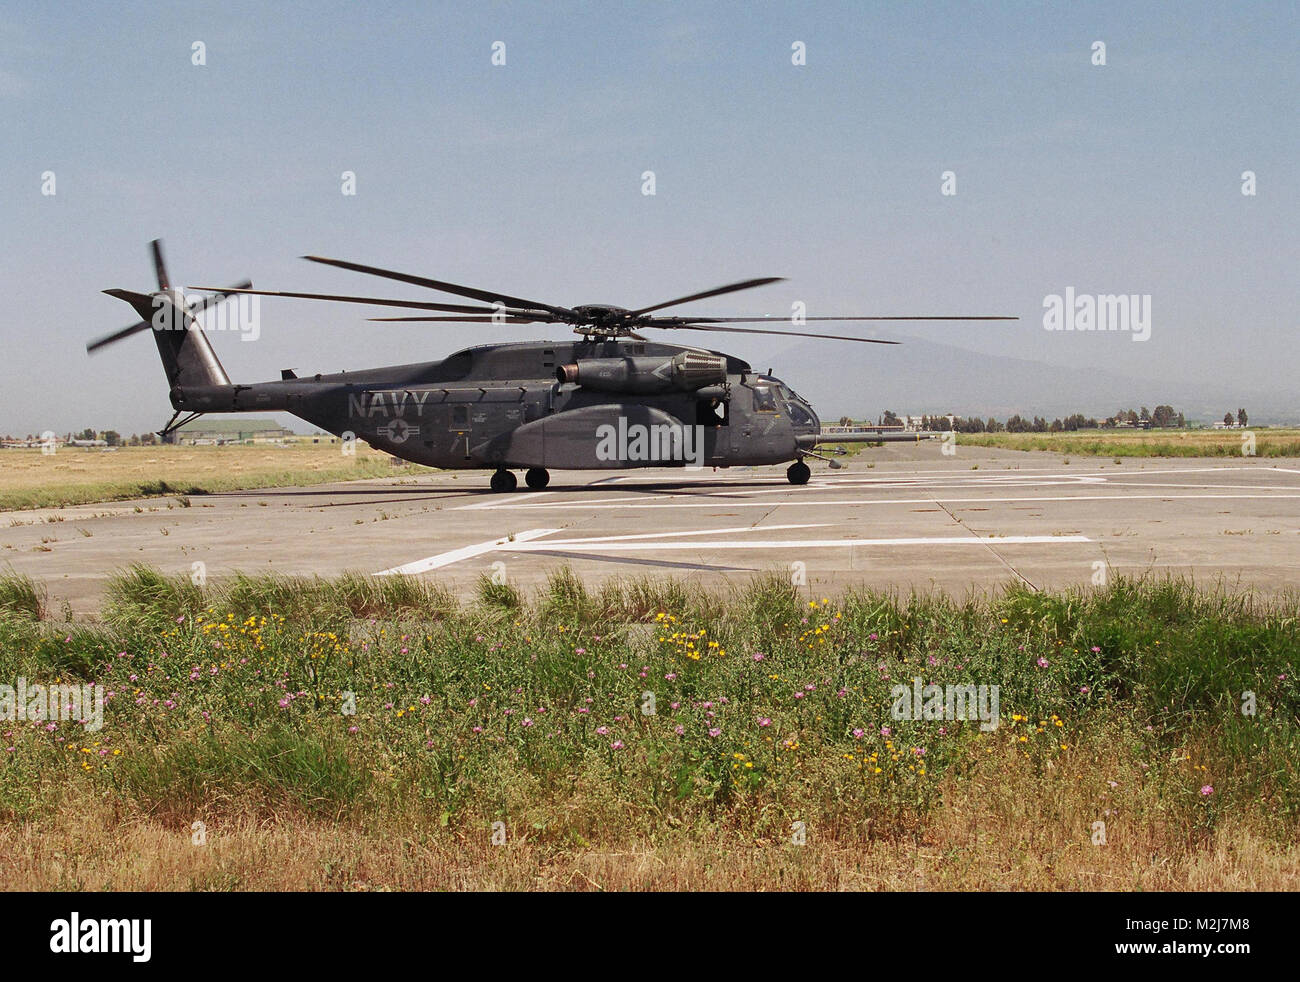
<point>72,476</point>
<point>1144,443</point>
<point>365,733</point>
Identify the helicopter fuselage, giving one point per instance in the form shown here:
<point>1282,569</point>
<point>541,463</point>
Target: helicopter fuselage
<point>584,404</point>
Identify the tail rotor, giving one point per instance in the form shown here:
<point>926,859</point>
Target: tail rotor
<point>155,303</point>
<point>187,356</point>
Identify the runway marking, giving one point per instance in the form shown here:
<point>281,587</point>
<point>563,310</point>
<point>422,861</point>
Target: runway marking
<point>525,542</point>
<point>676,501</point>
<point>587,545</point>
<point>1202,487</point>
<point>673,535</point>
<point>465,552</point>
<point>887,485</point>
<point>508,544</point>
<point>750,477</point>
<point>498,502</point>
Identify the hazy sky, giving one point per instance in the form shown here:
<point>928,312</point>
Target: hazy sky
<point>526,178</point>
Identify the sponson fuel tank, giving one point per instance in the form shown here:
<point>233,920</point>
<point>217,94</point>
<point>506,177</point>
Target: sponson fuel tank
<point>686,371</point>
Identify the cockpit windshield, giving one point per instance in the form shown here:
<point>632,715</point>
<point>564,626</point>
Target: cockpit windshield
<point>799,415</point>
<point>800,412</point>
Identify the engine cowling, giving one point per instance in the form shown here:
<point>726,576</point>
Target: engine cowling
<point>686,371</point>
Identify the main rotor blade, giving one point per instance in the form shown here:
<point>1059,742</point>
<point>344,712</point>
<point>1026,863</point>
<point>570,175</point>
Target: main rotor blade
<point>717,292</point>
<point>460,291</point>
<point>468,319</point>
<point>225,293</point>
<point>755,330</point>
<point>455,308</point>
<point>663,321</point>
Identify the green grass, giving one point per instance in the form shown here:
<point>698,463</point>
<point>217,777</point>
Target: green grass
<point>366,698</point>
<point>142,600</point>
<point>21,597</point>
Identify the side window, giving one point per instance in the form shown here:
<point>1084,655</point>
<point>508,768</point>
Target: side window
<point>764,399</point>
<point>460,417</point>
<point>712,412</point>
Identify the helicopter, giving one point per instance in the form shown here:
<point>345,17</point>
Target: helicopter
<point>609,399</point>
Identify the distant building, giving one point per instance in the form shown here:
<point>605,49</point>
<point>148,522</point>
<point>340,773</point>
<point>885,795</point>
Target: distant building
<point>210,432</point>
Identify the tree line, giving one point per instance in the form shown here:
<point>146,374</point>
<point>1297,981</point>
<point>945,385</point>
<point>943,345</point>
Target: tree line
<point>1162,417</point>
<point>111,437</point>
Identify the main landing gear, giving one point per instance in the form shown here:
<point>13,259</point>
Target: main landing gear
<point>536,478</point>
<point>798,473</point>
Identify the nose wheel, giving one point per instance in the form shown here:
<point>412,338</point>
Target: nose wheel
<point>798,473</point>
<point>503,480</point>
<point>537,478</point>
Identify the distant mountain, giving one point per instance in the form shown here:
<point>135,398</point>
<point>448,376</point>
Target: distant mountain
<point>922,377</point>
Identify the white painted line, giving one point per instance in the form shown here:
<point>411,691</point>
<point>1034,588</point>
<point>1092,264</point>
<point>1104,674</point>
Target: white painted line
<point>958,470</point>
<point>589,545</point>
<point>1203,487</point>
<point>507,545</point>
<point>677,501</point>
<point>524,542</point>
<point>913,485</point>
<point>674,535</point>
<point>498,502</point>
<point>466,552</point>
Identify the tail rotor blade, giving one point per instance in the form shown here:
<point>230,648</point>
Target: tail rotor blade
<point>108,339</point>
<point>160,267</point>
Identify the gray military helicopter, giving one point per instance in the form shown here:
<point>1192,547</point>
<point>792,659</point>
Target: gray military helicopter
<point>610,399</point>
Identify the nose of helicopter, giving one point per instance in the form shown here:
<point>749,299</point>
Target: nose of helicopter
<point>802,417</point>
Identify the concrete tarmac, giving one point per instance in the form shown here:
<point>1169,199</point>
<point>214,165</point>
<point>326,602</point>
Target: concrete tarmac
<point>903,516</point>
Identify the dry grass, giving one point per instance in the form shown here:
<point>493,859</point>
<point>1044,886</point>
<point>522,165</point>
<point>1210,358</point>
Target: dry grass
<point>1035,839</point>
<point>73,475</point>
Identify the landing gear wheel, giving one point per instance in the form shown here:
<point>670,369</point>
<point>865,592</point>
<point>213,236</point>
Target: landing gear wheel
<point>798,473</point>
<point>504,481</point>
<point>537,478</point>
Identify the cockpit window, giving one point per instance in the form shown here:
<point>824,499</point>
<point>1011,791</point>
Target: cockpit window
<point>764,399</point>
<point>798,415</point>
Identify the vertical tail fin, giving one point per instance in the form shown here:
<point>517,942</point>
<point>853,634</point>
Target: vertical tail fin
<point>187,356</point>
